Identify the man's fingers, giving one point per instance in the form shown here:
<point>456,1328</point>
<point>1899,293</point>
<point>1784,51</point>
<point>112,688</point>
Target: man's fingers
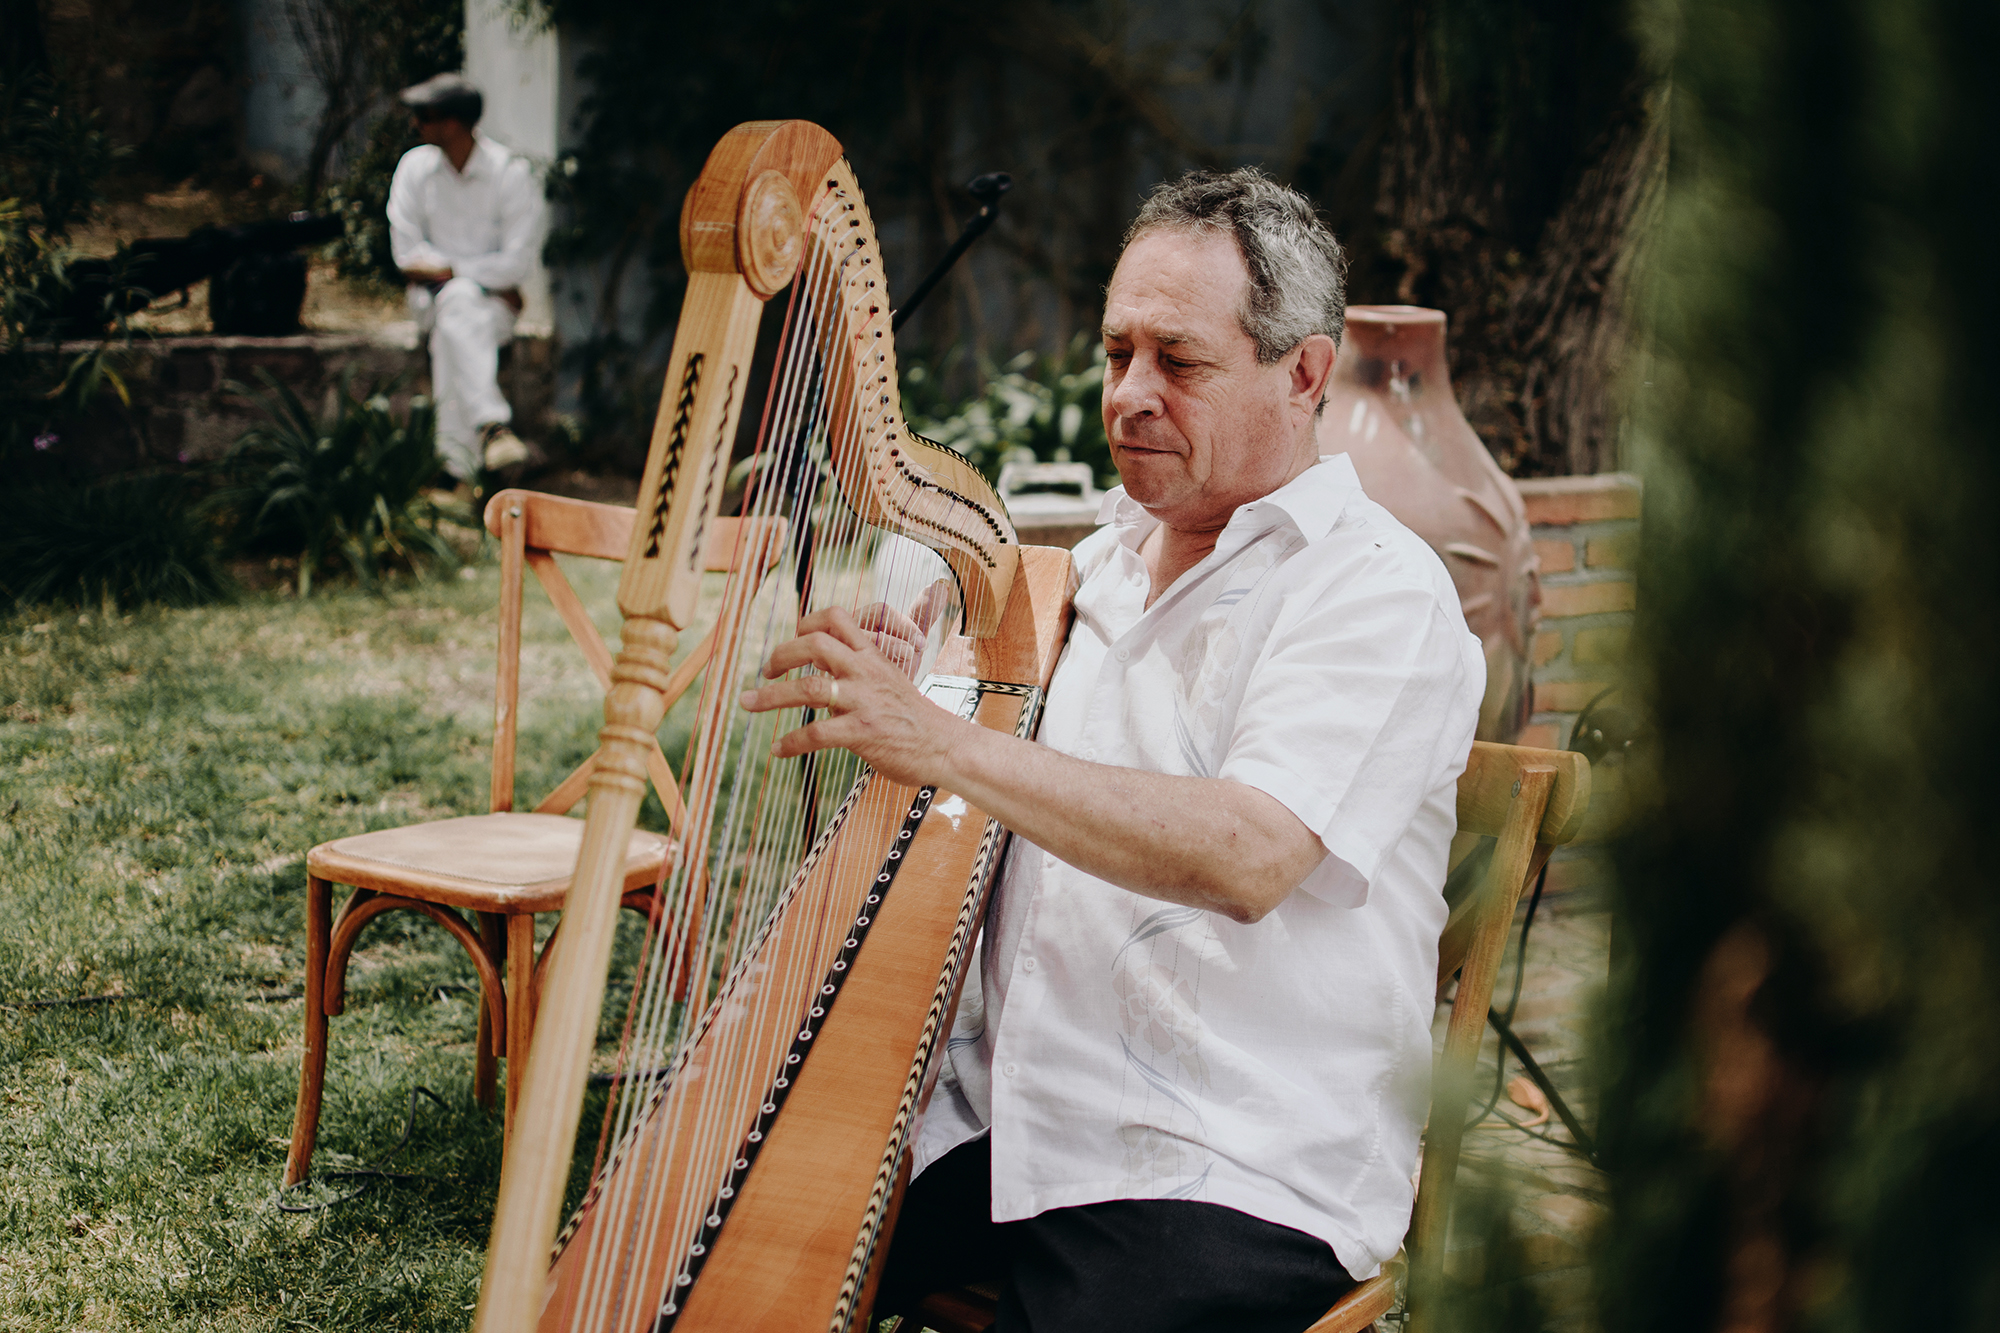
<point>804,740</point>
<point>902,654</point>
<point>886,619</point>
<point>819,649</point>
<point>935,601</point>
<point>837,623</point>
<point>805,692</point>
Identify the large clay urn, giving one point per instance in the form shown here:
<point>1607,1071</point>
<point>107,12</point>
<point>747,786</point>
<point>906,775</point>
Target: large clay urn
<point>1391,410</point>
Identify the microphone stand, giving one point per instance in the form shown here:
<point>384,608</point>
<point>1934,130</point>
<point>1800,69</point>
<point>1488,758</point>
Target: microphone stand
<point>987,190</point>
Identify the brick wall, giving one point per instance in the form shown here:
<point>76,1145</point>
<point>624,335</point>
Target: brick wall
<point>1586,532</point>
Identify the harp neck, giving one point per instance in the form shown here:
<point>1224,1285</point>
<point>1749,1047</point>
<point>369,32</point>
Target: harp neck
<point>777,200</point>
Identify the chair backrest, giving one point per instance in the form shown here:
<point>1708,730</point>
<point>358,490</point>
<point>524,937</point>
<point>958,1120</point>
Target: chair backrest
<point>1531,802</point>
<point>533,529</point>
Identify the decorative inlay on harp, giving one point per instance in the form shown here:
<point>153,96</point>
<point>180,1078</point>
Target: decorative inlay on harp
<point>785,1016</point>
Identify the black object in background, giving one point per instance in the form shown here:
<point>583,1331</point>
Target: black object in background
<point>101,289</point>
<point>987,190</point>
<point>259,295</point>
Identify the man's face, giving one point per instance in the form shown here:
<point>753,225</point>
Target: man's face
<point>1196,426</point>
<point>436,129</point>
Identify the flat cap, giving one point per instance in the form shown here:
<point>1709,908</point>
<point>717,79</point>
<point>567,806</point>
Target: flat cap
<point>445,95</point>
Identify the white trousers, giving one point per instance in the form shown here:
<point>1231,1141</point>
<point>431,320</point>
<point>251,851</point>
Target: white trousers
<point>467,329</point>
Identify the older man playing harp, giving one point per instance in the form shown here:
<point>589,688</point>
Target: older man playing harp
<point>1186,1082</point>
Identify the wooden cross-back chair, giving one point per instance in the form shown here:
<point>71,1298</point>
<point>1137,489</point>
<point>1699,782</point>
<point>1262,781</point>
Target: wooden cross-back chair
<point>506,867</point>
<point>1530,802</point>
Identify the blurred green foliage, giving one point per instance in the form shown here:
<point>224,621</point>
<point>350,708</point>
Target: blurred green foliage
<point>361,197</point>
<point>1803,1113</point>
<point>52,155</point>
<point>348,487</point>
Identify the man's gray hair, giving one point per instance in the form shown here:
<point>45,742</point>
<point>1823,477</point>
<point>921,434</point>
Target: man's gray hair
<point>1297,272</point>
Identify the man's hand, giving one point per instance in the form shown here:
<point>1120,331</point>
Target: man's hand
<point>1206,842</point>
<point>865,667</point>
<point>427,277</point>
<point>903,638</point>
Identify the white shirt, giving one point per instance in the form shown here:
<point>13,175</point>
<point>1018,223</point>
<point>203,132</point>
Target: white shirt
<point>484,223</point>
<point>1121,1047</point>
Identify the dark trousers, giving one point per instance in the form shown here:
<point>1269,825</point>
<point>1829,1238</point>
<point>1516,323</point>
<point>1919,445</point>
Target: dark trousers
<point>1127,1266</point>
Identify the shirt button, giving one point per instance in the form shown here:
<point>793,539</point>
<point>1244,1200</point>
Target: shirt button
<point>1124,653</point>
<point>1009,1069</point>
<point>1028,965</point>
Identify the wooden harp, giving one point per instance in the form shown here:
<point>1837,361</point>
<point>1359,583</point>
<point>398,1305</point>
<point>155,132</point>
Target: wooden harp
<point>819,921</point>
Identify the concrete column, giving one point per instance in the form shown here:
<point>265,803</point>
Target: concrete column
<point>282,100</point>
<point>517,65</point>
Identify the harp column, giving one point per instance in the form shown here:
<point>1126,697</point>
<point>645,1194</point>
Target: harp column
<point>742,237</point>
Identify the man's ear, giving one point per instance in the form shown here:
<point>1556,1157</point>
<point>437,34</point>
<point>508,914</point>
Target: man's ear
<point>1312,371</point>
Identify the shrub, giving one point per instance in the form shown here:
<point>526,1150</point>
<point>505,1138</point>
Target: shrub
<point>349,488</point>
<point>361,198</point>
<point>1048,406</point>
<point>126,541</point>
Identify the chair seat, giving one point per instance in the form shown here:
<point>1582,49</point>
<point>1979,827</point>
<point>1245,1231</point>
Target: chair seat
<point>507,863</point>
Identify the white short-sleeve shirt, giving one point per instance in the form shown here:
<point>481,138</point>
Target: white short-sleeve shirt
<point>1121,1047</point>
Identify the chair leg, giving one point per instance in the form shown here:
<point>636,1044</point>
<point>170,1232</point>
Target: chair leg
<point>312,1070</point>
<point>485,1059</point>
<point>520,1005</point>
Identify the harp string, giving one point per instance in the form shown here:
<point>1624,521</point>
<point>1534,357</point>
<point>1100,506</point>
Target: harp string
<point>656,984</point>
<point>679,951</point>
<point>749,817</point>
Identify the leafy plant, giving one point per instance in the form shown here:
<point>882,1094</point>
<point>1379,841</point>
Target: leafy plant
<point>349,487</point>
<point>1047,406</point>
<point>125,541</point>
<point>52,156</point>
<point>51,160</point>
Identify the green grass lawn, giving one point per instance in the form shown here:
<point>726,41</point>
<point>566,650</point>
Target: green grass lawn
<point>161,777</point>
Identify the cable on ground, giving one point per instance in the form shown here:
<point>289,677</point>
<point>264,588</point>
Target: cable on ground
<point>371,1173</point>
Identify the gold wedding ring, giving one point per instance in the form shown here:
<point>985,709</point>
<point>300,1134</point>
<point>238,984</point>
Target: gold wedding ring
<point>832,693</point>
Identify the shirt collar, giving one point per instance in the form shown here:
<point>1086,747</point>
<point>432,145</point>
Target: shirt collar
<point>475,165</point>
<point>1311,502</point>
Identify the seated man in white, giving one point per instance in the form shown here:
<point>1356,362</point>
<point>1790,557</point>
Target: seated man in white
<point>465,222</point>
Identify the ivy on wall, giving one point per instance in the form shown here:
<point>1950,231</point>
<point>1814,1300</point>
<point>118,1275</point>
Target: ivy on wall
<point>1520,160</point>
<point>1505,190</point>
<point>1084,103</point>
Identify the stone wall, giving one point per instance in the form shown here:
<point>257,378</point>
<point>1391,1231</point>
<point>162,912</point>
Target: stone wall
<point>183,412</point>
